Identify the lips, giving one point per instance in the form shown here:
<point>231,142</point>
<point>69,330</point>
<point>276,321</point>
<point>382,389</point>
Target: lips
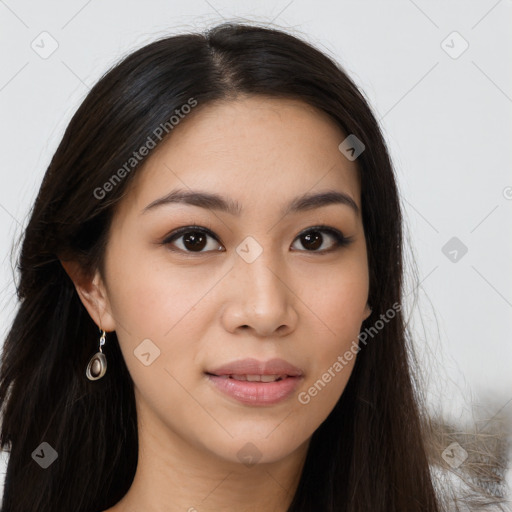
<point>254,382</point>
<point>276,367</point>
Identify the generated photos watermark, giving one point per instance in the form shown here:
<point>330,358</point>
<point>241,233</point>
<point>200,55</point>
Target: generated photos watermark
<point>158,133</point>
<point>342,361</point>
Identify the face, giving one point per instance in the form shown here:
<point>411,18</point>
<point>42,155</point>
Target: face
<point>194,285</point>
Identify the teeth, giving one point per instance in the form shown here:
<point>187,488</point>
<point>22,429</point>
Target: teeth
<point>258,378</point>
<point>269,378</point>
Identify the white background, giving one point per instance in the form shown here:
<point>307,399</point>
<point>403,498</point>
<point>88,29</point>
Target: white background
<point>447,121</point>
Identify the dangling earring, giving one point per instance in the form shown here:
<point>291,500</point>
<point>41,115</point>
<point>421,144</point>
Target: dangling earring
<point>98,364</point>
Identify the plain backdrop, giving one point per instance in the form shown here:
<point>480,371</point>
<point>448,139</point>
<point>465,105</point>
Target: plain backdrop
<point>438,77</point>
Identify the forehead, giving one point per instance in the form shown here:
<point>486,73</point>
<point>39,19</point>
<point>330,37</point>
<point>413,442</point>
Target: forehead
<point>257,150</point>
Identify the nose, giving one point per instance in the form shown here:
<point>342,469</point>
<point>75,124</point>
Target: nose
<point>261,299</point>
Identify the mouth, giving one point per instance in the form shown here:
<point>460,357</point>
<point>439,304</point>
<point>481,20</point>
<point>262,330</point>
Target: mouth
<point>252,378</point>
<point>256,383</point>
<point>255,369</point>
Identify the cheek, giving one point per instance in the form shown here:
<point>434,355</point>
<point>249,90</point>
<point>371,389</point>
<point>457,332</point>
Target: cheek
<point>330,370</point>
<point>149,295</point>
<point>158,310</point>
<point>338,296</point>
<point>338,311</point>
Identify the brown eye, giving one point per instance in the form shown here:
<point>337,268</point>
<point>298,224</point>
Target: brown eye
<point>314,238</point>
<point>195,239</point>
<point>192,239</point>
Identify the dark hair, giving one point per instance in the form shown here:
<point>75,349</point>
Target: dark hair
<point>369,454</point>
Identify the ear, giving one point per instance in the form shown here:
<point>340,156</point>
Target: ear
<point>92,293</point>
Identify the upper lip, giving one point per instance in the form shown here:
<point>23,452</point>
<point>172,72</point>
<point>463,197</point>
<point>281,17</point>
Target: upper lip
<point>255,367</point>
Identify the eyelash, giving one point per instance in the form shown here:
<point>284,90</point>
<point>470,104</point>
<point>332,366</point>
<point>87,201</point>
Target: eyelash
<point>340,240</point>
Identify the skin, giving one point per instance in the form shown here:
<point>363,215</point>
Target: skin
<point>205,309</point>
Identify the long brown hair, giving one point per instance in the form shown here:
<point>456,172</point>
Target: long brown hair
<point>368,455</point>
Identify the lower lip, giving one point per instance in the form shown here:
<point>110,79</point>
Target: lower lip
<point>256,393</point>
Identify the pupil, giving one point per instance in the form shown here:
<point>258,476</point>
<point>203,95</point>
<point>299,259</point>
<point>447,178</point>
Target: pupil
<point>195,239</point>
<point>314,239</point>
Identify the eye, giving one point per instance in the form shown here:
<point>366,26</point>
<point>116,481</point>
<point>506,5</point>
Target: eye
<point>313,238</point>
<point>195,239</point>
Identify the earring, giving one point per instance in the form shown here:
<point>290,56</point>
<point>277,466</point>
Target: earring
<point>98,363</point>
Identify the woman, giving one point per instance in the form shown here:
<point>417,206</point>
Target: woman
<point>211,305</point>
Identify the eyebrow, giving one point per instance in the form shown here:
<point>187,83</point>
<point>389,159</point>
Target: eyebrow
<point>308,201</point>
